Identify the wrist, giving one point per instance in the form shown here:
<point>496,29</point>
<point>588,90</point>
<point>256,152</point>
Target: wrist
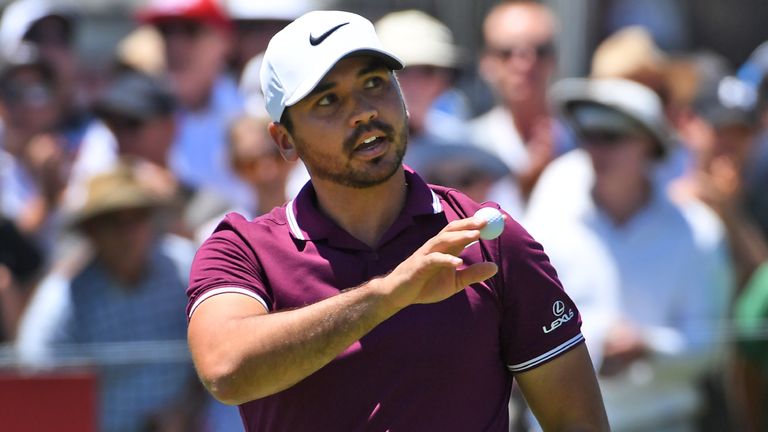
<point>379,290</point>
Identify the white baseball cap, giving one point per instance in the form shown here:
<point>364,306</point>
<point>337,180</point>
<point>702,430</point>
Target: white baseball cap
<point>300,55</point>
<point>19,17</point>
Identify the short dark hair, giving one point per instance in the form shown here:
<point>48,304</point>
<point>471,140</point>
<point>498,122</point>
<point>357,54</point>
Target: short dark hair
<point>285,120</point>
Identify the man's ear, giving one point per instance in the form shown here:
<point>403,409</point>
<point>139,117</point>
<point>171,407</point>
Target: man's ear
<point>284,141</point>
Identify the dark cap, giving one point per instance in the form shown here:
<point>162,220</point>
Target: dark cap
<point>722,99</point>
<point>728,101</point>
<point>136,96</point>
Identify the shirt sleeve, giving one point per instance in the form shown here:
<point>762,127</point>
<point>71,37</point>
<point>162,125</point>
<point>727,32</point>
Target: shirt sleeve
<point>47,322</point>
<point>226,263</point>
<point>540,320</point>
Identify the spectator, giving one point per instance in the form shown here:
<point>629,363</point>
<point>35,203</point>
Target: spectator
<point>518,62</point>
<point>751,320</point>
<point>651,295</point>
<point>51,29</point>
<point>20,265</point>
<point>256,160</point>
<point>197,36</point>
<point>137,110</point>
<point>721,134</point>
<point>432,63</point>
<point>755,72</point>
<point>130,292</point>
<point>34,166</point>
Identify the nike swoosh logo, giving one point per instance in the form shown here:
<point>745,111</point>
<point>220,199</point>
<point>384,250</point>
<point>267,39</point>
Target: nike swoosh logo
<point>315,41</point>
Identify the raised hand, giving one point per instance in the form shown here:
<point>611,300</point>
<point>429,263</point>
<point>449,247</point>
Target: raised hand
<point>435,272</point>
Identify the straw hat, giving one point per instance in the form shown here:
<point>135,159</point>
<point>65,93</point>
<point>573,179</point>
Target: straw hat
<point>110,192</point>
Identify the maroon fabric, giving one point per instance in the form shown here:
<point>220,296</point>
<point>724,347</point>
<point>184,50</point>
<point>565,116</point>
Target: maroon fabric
<point>442,366</point>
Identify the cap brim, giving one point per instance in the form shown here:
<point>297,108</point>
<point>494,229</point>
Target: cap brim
<point>317,75</point>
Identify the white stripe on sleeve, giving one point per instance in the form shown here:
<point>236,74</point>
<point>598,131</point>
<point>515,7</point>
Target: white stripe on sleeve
<point>223,290</point>
<point>547,355</point>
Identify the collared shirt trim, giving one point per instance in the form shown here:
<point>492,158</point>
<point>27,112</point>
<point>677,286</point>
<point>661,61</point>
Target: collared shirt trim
<point>292,223</point>
<point>547,355</point>
<point>436,206</point>
<point>224,290</point>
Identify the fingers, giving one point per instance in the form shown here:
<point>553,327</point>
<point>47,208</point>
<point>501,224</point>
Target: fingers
<point>451,242</point>
<point>475,273</point>
<point>469,223</point>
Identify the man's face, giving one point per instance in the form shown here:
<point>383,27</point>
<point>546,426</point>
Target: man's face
<point>519,59</point>
<point>148,139</point>
<point>352,129</point>
<point>122,239</point>
<point>618,155</point>
<point>29,100</point>
<point>195,54</point>
<point>421,85</point>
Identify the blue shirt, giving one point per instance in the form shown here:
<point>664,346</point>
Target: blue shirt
<point>135,336</point>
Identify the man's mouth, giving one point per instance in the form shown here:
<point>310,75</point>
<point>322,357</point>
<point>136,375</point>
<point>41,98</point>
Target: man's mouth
<point>372,146</point>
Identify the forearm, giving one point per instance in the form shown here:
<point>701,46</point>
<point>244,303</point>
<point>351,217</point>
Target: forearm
<point>258,355</point>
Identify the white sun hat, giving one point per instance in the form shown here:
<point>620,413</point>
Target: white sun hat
<point>300,55</point>
<point>579,101</point>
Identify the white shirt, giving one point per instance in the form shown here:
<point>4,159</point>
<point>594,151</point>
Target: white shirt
<point>665,270</point>
<point>199,155</point>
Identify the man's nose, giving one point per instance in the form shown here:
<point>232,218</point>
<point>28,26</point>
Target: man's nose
<point>364,112</point>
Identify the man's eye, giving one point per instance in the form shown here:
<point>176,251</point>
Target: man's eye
<point>326,100</point>
<point>373,82</point>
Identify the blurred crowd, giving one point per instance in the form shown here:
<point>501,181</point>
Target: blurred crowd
<point>646,182</point>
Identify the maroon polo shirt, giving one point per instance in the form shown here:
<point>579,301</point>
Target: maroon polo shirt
<point>446,366</point>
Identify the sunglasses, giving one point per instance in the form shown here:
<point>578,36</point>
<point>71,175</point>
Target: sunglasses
<point>186,28</point>
<point>123,123</point>
<point>606,138</point>
<point>15,93</point>
<point>533,52</point>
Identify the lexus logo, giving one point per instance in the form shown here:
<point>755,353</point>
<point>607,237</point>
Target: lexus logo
<point>558,308</point>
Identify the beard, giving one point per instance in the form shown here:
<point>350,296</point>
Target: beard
<point>357,174</point>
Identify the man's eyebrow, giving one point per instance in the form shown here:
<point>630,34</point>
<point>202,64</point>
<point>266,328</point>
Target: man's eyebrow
<point>323,86</point>
<point>373,66</point>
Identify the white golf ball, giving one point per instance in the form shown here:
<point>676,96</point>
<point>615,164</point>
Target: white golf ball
<point>495,223</point>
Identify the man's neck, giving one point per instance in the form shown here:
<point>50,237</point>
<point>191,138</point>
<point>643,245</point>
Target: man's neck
<point>365,213</point>
<point>622,201</point>
<point>269,197</point>
<point>526,115</point>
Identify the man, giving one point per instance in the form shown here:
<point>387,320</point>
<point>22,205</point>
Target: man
<point>120,310</point>
<point>33,164</point>
<point>518,63</point>
<point>52,29</point>
<point>432,61</point>
<point>197,39</point>
<point>651,284</point>
<point>365,303</point>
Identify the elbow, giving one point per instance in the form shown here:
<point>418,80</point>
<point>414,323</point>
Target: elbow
<point>232,385</point>
<point>223,385</point>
